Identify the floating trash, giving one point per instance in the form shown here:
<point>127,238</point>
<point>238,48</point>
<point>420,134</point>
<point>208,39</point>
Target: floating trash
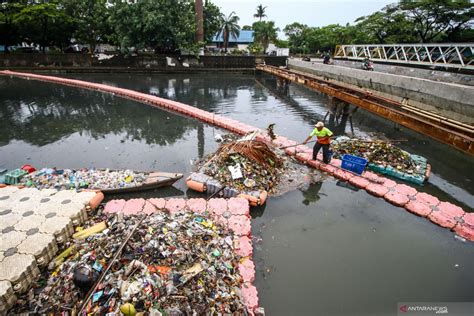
<point>250,169</point>
<point>384,157</point>
<point>106,180</point>
<point>243,165</point>
<point>183,264</point>
<point>64,179</point>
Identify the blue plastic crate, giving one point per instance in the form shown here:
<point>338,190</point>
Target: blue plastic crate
<point>354,163</point>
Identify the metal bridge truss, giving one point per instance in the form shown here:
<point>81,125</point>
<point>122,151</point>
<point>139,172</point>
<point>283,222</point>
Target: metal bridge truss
<point>454,55</point>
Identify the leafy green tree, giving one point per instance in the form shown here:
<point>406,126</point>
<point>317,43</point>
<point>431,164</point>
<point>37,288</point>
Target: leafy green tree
<point>246,28</point>
<point>260,12</point>
<point>297,37</point>
<point>90,20</point>
<point>45,24</point>
<point>435,19</point>
<point>460,36</point>
<point>229,27</point>
<point>9,31</point>
<point>265,33</point>
<point>389,25</point>
<point>282,43</point>
<point>327,37</point>
<point>164,25</point>
<point>212,21</point>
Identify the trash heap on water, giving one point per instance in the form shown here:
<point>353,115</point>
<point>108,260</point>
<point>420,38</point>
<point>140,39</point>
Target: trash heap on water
<point>376,151</point>
<point>250,169</point>
<point>171,265</point>
<point>64,179</point>
<point>383,157</point>
<point>245,165</point>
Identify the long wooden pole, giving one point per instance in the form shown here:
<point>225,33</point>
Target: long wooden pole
<point>104,273</point>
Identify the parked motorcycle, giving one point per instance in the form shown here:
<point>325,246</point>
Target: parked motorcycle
<point>327,59</point>
<point>368,65</point>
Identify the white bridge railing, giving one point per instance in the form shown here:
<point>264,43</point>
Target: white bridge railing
<point>454,55</point>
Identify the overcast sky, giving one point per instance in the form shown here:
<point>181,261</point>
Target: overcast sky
<point>310,12</point>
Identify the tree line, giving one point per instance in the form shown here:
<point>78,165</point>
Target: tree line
<point>408,21</point>
<point>167,26</point>
<point>160,25</point>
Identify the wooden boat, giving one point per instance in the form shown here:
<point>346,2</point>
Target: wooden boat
<point>108,181</point>
<point>154,180</point>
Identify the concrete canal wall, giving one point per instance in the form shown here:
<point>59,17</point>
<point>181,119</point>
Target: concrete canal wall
<point>453,100</point>
<point>412,71</point>
<point>444,214</point>
<point>144,62</point>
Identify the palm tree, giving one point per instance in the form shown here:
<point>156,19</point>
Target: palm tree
<point>265,33</point>
<point>229,28</point>
<point>260,12</point>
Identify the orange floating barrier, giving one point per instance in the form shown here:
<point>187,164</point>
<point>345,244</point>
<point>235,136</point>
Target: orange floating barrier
<point>96,200</point>
<point>195,185</point>
<point>203,183</point>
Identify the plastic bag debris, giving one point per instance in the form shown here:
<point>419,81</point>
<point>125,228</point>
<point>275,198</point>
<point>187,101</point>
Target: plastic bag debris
<point>65,179</point>
<point>181,264</point>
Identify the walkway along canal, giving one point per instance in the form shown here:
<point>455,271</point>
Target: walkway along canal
<point>329,187</point>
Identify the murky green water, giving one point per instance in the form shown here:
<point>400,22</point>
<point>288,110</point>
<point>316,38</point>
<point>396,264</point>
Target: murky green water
<point>328,250</point>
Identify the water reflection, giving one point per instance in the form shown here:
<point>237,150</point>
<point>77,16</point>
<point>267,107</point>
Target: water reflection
<point>53,112</point>
<point>200,93</point>
<point>311,195</point>
<point>338,113</point>
<point>282,93</point>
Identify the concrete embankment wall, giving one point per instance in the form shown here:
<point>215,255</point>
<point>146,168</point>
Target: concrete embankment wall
<point>146,62</point>
<point>452,100</point>
<point>430,74</point>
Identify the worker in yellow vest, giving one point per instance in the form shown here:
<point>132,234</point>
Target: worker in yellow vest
<point>324,138</point>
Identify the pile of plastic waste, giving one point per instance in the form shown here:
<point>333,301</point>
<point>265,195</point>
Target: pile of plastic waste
<point>378,152</point>
<point>63,179</point>
<point>245,165</point>
<point>164,265</point>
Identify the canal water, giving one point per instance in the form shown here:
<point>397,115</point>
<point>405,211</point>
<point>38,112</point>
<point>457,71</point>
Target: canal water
<point>327,249</point>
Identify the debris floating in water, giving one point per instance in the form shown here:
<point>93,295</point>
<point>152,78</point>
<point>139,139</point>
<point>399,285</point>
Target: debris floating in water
<point>377,152</point>
<point>244,165</point>
<point>181,264</point>
<point>64,179</point>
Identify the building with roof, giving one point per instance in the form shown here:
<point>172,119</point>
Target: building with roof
<point>244,39</point>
